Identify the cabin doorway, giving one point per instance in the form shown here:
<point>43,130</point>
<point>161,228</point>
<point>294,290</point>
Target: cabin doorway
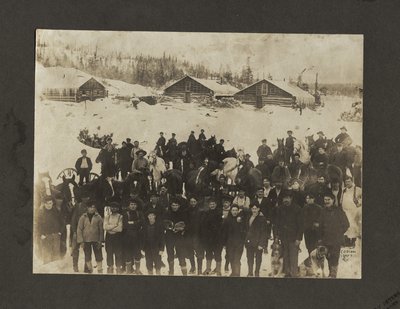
<point>187,97</point>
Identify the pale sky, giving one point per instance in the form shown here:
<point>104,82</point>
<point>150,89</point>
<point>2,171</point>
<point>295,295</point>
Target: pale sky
<point>336,58</point>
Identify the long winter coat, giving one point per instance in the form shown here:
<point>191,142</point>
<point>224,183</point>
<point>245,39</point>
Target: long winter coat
<point>49,222</point>
<point>256,232</point>
<point>334,224</point>
<point>290,223</point>
<point>211,227</point>
<point>234,231</point>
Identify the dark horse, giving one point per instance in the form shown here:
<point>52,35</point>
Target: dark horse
<point>199,180</point>
<point>279,153</point>
<point>249,179</point>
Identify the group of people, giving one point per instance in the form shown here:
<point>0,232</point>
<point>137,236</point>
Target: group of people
<point>199,227</point>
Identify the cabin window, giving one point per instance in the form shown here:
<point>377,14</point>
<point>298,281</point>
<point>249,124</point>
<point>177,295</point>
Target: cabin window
<point>187,86</point>
<point>264,89</point>
<point>272,90</point>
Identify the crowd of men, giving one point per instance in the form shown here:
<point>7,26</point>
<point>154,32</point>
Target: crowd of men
<point>196,229</point>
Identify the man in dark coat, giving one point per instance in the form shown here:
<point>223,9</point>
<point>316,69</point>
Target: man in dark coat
<point>196,244</point>
<point>192,144</point>
<point>129,144</point>
<point>124,160</point>
<point>339,159</point>
<point>290,232</point>
<point>318,189</point>
<point>133,221</point>
<point>320,160</point>
<point>153,242</point>
<point>256,240</point>
<point>263,150</point>
<point>270,163</point>
<point>333,225</point>
<point>83,166</point>
<point>289,146</point>
<point>311,214</point>
<point>321,141</point>
<point>264,169</point>
<point>210,233</point>
<point>50,227</point>
<point>202,136</point>
<point>220,150</point>
<point>281,174</point>
<point>233,237</point>
<point>266,209</point>
<point>343,138</point>
<point>177,224</point>
<point>296,168</point>
<point>160,146</point>
<point>184,161</point>
<point>172,150</point>
<point>275,200</point>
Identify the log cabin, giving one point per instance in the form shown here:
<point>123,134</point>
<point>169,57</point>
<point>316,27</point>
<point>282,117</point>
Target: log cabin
<point>189,88</point>
<point>70,85</point>
<point>266,92</point>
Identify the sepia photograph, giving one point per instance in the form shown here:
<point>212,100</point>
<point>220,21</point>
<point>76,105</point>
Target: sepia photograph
<point>205,154</point>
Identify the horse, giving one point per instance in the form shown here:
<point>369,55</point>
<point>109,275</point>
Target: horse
<point>199,180</point>
<point>209,150</point>
<point>301,148</point>
<point>173,180</point>
<point>231,165</point>
<point>279,153</point>
<point>157,168</point>
<point>138,183</point>
<point>231,153</point>
<point>249,179</point>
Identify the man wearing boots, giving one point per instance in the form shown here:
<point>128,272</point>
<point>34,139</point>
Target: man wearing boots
<point>290,232</point>
<point>196,246</point>
<point>256,239</point>
<point>210,231</point>
<point>176,223</point>
<point>90,235</point>
<point>233,234</point>
<point>333,225</point>
<point>78,211</point>
<point>113,228</point>
<point>153,242</point>
<point>133,221</point>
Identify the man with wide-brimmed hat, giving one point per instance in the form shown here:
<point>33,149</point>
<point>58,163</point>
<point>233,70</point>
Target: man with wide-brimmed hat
<point>140,163</point>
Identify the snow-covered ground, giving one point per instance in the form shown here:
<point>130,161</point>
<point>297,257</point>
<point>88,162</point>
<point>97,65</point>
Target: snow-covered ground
<point>57,125</point>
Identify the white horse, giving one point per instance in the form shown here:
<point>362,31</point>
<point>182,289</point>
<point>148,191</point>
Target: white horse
<point>301,148</point>
<point>231,168</point>
<point>157,168</point>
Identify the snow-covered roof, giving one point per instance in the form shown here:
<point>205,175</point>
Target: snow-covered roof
<point>214,85</point>
<point>60,78</point>
<point>117,87</point>
<point>301,95</point>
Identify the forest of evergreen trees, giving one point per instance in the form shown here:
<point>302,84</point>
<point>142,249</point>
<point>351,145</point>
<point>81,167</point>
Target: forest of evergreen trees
<point>135,69</point>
